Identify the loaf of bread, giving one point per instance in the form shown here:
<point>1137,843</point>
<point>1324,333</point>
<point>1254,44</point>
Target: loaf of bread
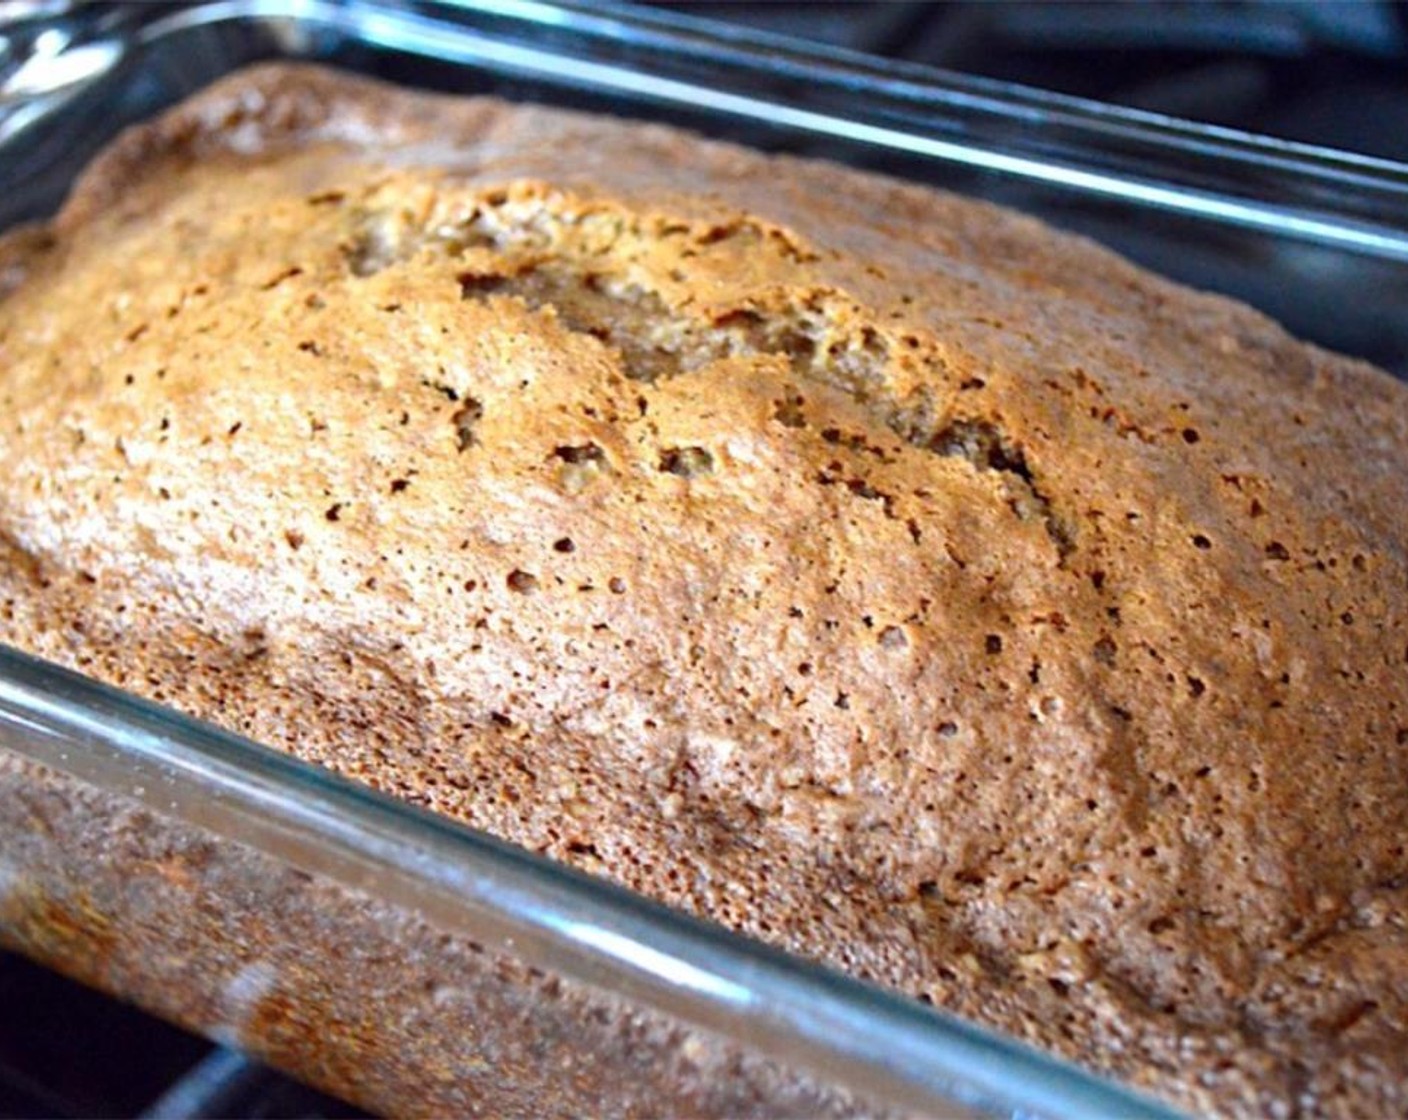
<point>879,573</point>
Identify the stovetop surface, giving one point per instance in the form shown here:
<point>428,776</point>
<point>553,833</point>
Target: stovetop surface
<point>1331,74</point>
<point>68,1052</point>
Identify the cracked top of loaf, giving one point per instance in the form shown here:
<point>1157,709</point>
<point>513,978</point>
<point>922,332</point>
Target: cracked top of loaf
<point>877,572</point>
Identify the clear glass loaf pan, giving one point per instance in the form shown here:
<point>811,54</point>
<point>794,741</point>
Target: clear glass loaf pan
<point>415,966</point>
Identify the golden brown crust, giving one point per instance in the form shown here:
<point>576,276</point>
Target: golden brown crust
<point>878,572</point>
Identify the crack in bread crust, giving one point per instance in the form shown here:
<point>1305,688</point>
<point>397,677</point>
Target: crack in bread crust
<point>583,264</point>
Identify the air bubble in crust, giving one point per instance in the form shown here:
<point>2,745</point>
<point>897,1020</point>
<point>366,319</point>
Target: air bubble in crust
<point>687,462</point>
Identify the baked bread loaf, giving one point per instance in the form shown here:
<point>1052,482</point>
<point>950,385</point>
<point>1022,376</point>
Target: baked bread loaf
<point>879,573</point>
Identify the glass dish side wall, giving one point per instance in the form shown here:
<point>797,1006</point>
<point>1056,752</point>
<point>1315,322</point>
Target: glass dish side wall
<point>360,997</point>
<point>205,877</point>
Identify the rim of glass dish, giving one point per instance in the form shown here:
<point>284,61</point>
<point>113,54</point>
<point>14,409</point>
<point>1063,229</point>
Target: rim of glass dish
<point>880,1045</point>
<point>1314,194</point>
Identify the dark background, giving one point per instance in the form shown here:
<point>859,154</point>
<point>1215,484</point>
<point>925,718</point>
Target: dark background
<point>1329,73</point>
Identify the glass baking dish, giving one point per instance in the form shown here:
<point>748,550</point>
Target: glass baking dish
<point>409,963</point>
